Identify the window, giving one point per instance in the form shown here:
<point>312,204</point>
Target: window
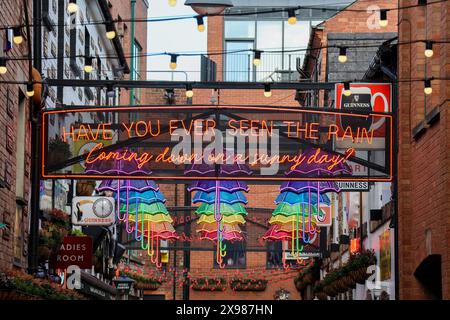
<point>239,66</point>
<point>271,34</point>
<point>236,257</point>
<point>274,254</point>
<point>18,234</point>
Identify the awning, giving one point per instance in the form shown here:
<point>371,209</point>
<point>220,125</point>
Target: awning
<point>96,288</point>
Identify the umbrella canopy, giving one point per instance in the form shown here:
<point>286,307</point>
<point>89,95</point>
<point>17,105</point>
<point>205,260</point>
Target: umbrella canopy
<point>224,185</point>
<point>225,197</point>
<point>292,198</point>
<point>305,186</point>
<point>225,209</point>
<point>148,197</point>
<point>130,185</point>
<point>225,219</point>
<point>285,209</point>
<point>113,166</point>
<point>144,208</point>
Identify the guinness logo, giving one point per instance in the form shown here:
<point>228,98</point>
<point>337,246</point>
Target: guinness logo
<point>356,98</point>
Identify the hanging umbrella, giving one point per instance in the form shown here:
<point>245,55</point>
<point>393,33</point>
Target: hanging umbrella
<point>221,203</point>
<point>225,197</point>
<point>224,185</point>
<point>325,164</point>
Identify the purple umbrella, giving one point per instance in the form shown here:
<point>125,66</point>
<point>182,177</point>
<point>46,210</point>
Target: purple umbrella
<point>318,162</point>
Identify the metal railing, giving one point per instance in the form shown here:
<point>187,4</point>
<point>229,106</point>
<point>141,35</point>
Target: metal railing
<point>274,67</point>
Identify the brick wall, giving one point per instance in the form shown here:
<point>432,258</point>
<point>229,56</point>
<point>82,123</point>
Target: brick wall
<point>13,13</point>
<point>424,167</point>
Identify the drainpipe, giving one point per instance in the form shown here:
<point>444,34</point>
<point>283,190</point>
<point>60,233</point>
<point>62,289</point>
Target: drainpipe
<point>35,129</point>
<point>132,58</point>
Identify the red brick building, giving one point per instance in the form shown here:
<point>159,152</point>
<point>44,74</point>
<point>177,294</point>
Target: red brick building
<point>15,145</point>
<point>423,159</point>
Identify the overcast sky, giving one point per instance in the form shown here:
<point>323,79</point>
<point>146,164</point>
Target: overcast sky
<point>173,36</point>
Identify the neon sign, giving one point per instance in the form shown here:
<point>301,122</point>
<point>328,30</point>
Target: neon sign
<point>163,139</point>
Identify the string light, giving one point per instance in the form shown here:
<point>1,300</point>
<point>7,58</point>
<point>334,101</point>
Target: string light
<point>110,31</point>
<point>267,91</point>
<point>72,7</point>
<point>427,87</point>
<point>17,35</point>
<point>173,61</point>
<point>172,3</point>
<point>292,18</point>
<point>342,55</point>
<point>429,49</point>
<point>88,65</point>
<point>347,91</point>
<point>383,18</point>
<point>189,91</point>
<point>3,68</point>
<point>257,58</point>
<point>30,90</point>
<point>200,24</point>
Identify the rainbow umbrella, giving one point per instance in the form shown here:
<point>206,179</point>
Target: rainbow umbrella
<point>221,202</point>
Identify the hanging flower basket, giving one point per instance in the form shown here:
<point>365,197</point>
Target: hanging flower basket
<point>321,295</point>
<point>147,286</point>
<point>248,284</point>
<point>142,282</point>
<point>360,275</point>
<point>349,282</point>
<point>299,284</point>
<point>209,284</point>
<point>330,291</point>
<point>12,294</point>
<point>308,278</point>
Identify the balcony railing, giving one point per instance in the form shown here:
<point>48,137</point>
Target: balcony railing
<point>274,67</point>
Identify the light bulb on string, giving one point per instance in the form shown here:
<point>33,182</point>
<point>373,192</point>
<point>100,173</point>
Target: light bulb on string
<point>17,35</point>
<point>88,65</point>
<point>342,55</point>
<point>189,91</point>
<point>3,67</point>
<point>173,61</point>
<point>267,91</point>
<point>30,90</point>
<point>428,49</point>
<point>347,91</point>
<point>72,7</point>
<point>110,31</point>
<point>383,18</point>
<point>427,87</point>
<point>292,18</point>
<point>200,24</point>
<point>257,58</point>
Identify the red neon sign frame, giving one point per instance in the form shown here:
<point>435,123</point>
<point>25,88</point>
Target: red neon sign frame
<point>202,108</point>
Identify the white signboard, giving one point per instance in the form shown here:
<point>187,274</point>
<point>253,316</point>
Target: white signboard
<point>93,211</point>
<point>362,186</point>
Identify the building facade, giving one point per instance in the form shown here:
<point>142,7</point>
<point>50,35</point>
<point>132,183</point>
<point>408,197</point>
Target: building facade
<point>423,159</point>
<point>15,147</point>
<point>361,220</point>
